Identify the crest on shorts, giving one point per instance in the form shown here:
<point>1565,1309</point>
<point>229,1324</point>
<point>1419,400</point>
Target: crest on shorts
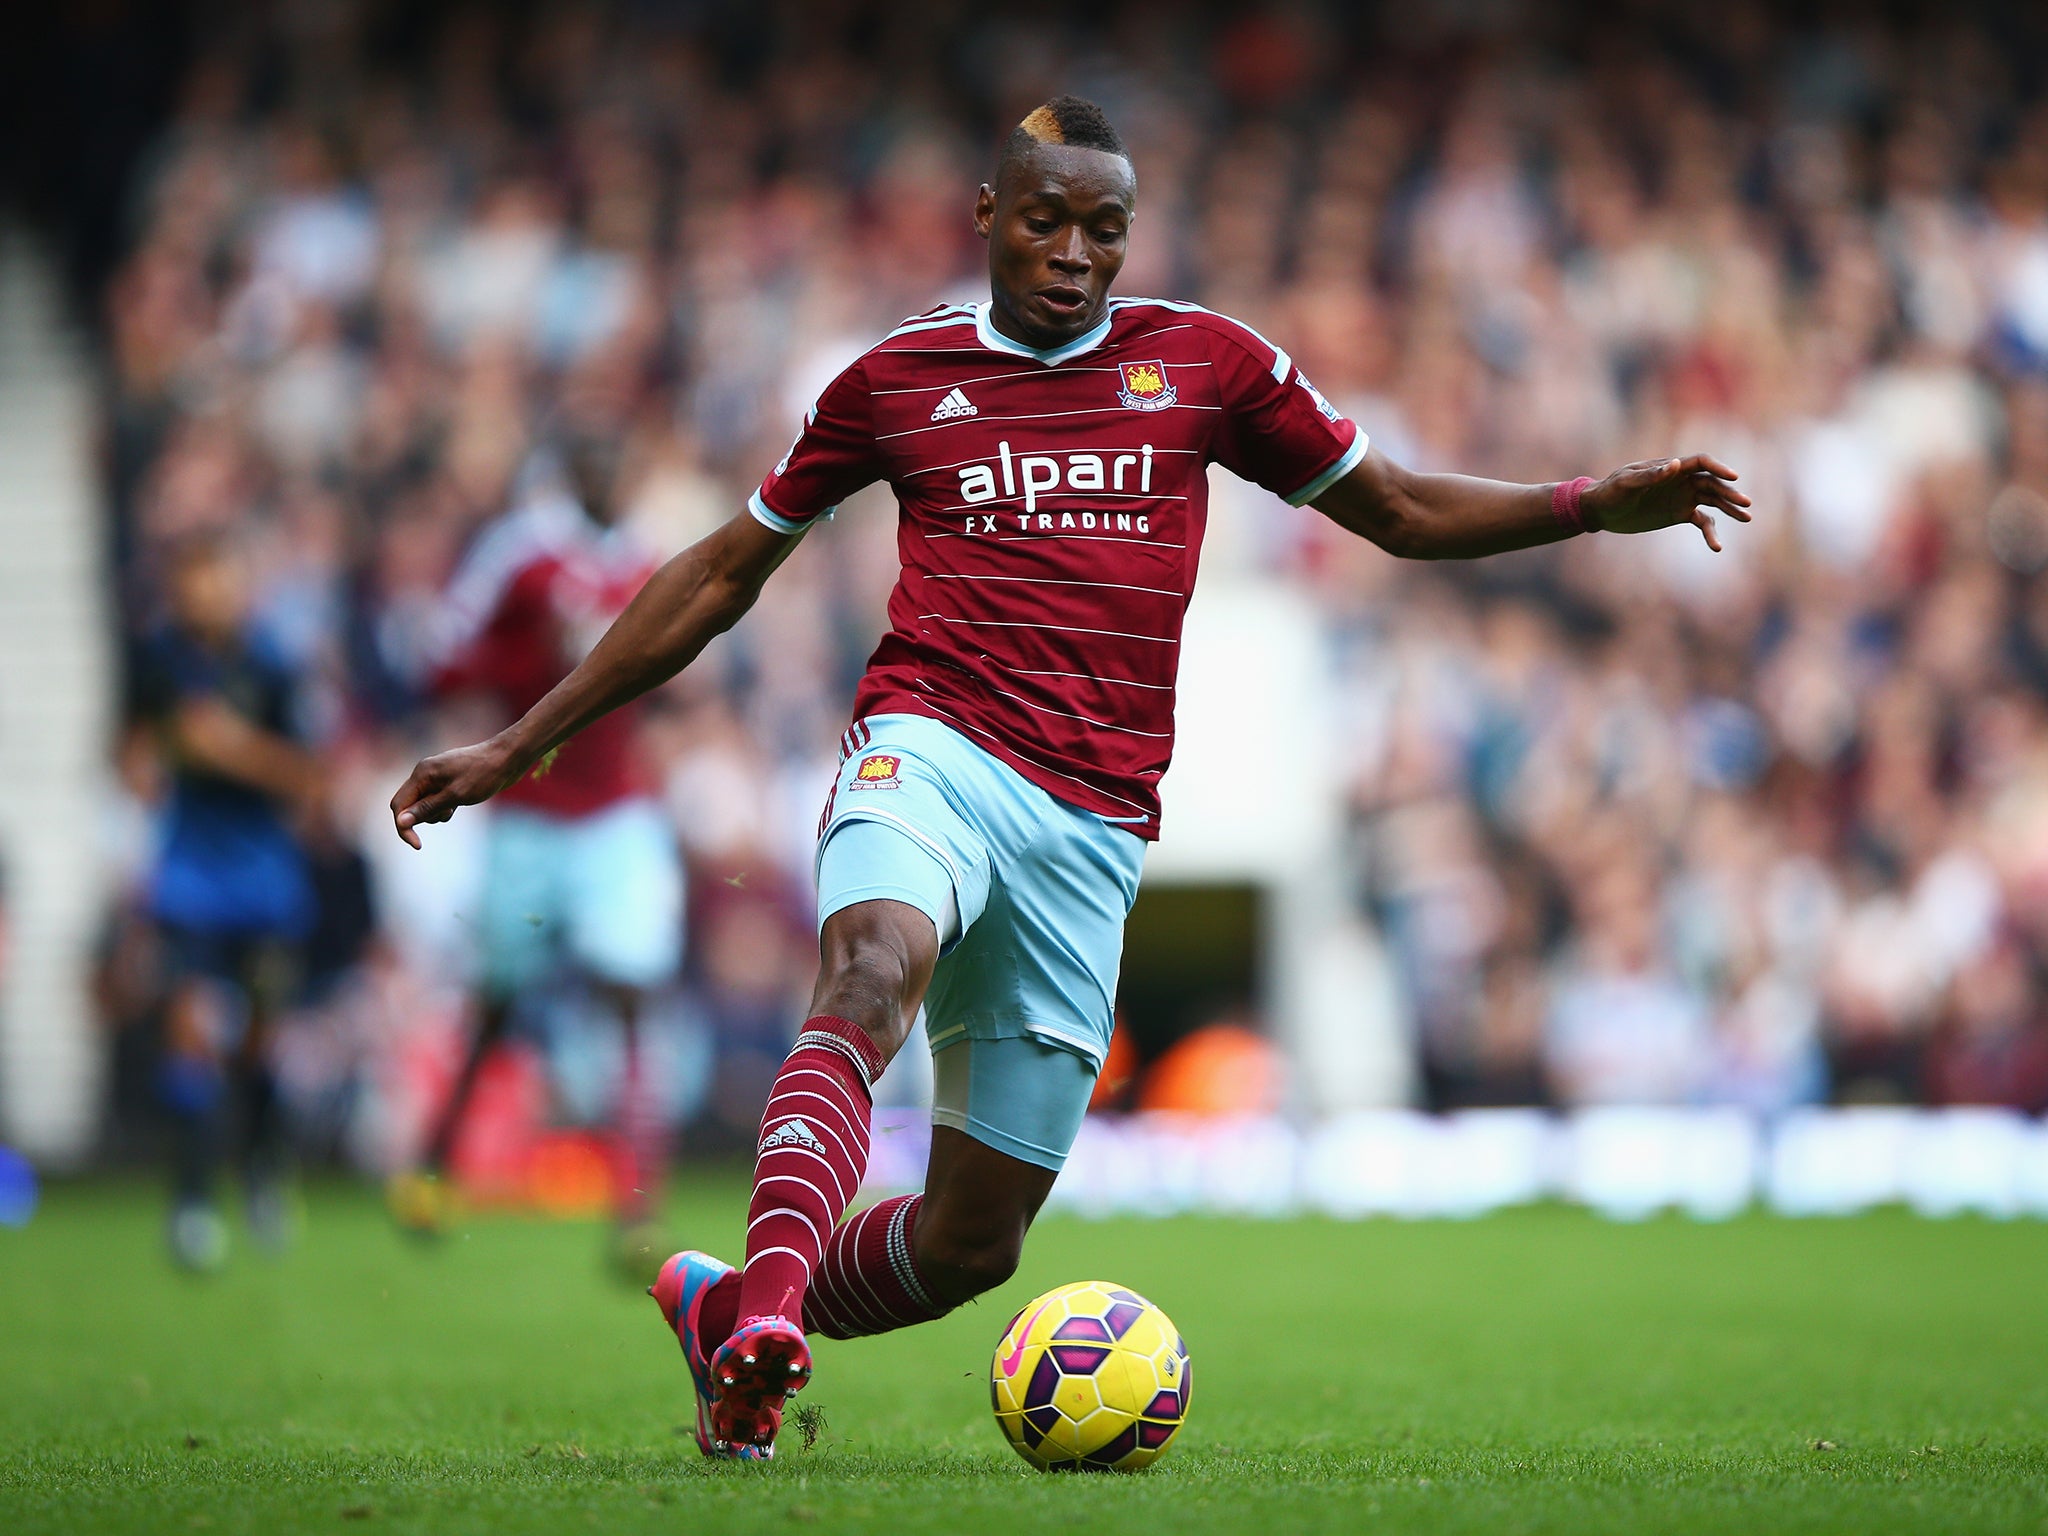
<point>879,770</point>
<point>1144,386</point>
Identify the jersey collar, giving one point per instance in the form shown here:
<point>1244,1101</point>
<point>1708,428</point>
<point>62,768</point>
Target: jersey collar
<point>996,341</point>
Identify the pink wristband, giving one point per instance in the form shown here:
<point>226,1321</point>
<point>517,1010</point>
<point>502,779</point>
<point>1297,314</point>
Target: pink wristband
<point>1564,503</point>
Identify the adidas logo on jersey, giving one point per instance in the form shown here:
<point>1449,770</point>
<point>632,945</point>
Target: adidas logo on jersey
<point>955,404</point>
<point>792,1133</point>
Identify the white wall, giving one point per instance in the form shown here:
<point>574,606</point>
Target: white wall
<point>56,707</point>
<point>1254,796</point>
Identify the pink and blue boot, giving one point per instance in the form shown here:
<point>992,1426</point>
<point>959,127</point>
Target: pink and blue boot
<point>679,1291</point>
<point>752,1373</point>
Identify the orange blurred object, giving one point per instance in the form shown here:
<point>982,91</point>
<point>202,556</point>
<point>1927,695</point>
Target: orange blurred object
<point>570,1173</point>
<point>1219,1070</point>
<point>1118,1068</point>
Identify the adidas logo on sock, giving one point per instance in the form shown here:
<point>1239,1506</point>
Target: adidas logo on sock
<point>955,404</point>
<point>792,1133</point>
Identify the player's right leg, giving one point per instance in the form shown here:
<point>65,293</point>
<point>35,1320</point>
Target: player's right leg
<point>906,872</point>
<point>877,959</point>
<point>685,1283</point>
<point>1005,1112</point>
<point>622,919</point>
<point>517,930</point>
<point>901,874</point>
<point>420,1198</point>
<point>269,972</point>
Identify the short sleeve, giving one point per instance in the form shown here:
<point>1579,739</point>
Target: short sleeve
<point>833,457</point>
<point>1277,430</point>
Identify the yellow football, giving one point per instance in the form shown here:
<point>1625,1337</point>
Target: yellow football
<point>1090,1377</point>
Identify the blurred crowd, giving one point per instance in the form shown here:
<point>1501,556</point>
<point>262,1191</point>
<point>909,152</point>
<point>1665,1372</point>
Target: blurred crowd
<point>1638,823</point>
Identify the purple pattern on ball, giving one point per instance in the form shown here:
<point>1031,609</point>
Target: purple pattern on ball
<point>1153,1436</point>
<point>1119,1318</point>
<point>1078,1359</point>
<point>1116,1450</point>
<point>1045,1381</point>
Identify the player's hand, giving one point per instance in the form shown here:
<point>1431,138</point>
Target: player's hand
<point>1662,493</point>
<point>441,783</point>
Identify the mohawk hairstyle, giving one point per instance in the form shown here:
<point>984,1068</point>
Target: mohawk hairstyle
<point>1064,120</point>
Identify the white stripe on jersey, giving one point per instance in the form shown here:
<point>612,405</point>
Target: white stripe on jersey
<point>1053,581</point>
<point>1020,537</point>
<point>1118,682</point>
<point>929,325</point>
<point>1084,501</point>
<point>1101,725</point>
<point>932,320</point>
<point>1281,361</point>
<point>1093,789</point>
<point>1065,629</point>
<point>997,378</point>
<point>938,312</point>
<point>985,378</point>
<point>1093,410</point>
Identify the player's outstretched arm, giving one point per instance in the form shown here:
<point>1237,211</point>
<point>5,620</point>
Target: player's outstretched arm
<point>1457,517</point>
<point>696,596</point>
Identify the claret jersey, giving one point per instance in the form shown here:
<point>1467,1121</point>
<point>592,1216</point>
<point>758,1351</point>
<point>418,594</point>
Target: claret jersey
<point>529,600</point>
<point>1052,511</point>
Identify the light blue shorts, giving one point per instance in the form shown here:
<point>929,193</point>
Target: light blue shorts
<point>1029,897</point>
<point>604,892</point>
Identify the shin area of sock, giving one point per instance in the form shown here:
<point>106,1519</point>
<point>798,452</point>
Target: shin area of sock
<point>812,1156</point>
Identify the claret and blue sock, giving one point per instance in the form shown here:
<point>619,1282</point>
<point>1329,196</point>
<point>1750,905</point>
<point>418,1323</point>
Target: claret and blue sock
<point>806,1269</point>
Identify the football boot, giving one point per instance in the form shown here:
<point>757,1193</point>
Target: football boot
<point>753,1372</point>
<point>679,1291</point>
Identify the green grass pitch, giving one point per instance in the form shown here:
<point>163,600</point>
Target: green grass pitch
<point>1535,1371</point>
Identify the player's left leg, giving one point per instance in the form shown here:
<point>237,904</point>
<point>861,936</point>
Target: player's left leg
<point>977,1205</point>
<point>193,1085</point>
<point>270,976</point>
<point>493,1013</point>
<point>640,1144</point>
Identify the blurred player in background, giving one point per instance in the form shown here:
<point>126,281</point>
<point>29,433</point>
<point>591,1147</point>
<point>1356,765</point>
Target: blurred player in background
<point>231,889</point>
<point>980,848</point>
<point>581,866</point>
